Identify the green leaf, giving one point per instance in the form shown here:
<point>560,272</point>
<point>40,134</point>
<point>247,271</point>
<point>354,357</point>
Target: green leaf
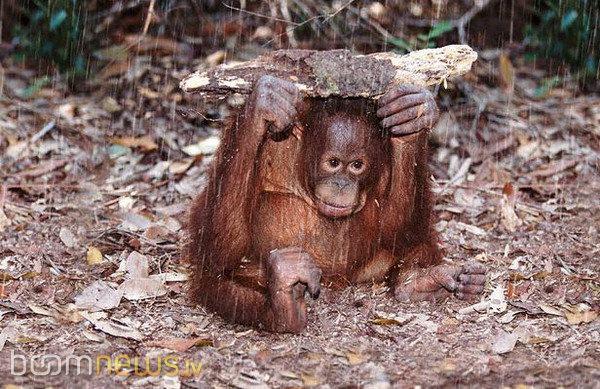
<point>568,19</point>
<point>400,43</point>
<point>116,151</point>
<point>591,65</point>
<point>546,86</point>
<point>57,19</point>
<point>37,16</point>
<point>35,87</point>
<point>440,29</point>
<point>530,57</point>
<point>79,65</point>
<point>548,16</point>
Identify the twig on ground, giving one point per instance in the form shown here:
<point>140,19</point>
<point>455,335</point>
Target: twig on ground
<point>3,190</point>
<point>261,15</point>
<point>148,17</point>
<point>43,168</point>
<point>461,22</point>
<point>332,15</point>
<point>40,134</point>
<point>309,20</point>
<point>462,172</point>
<point>378,27</point>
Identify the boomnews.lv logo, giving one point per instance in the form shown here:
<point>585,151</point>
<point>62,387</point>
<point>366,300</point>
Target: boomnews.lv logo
<point>121,364</point>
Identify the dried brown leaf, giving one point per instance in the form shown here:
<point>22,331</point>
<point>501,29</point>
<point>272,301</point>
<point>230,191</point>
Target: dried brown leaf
<point>144,143</point>
<point>67,237</point>
<point>142,288</point>
<point>181,344</point>
<point>550,310</point>
<point>94,256</point>
<point>102,323</point>
<point>135,265</point>
<point>98,296</point>
<point>504,342</point>
<point>581,316</point>
<point>555,167</point>
<point>354,358</point>
<point>507,73</point>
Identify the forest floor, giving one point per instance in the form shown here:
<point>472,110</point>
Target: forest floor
<point>93,192</point>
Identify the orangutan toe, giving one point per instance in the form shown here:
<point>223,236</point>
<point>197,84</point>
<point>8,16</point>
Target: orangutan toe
<point>471,281</point>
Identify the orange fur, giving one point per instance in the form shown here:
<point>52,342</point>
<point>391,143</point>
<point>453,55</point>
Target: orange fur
<point>256,201</point>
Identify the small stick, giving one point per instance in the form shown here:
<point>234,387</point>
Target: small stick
<point>3,190</point>
<point>148,17</point>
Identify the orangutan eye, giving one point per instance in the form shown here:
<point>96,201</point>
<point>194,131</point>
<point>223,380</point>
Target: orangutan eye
<point>334,162</point>
<point>357,165</point>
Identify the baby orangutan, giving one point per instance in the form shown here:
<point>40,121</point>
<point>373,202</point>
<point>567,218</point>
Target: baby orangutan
<point>310,191</point>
